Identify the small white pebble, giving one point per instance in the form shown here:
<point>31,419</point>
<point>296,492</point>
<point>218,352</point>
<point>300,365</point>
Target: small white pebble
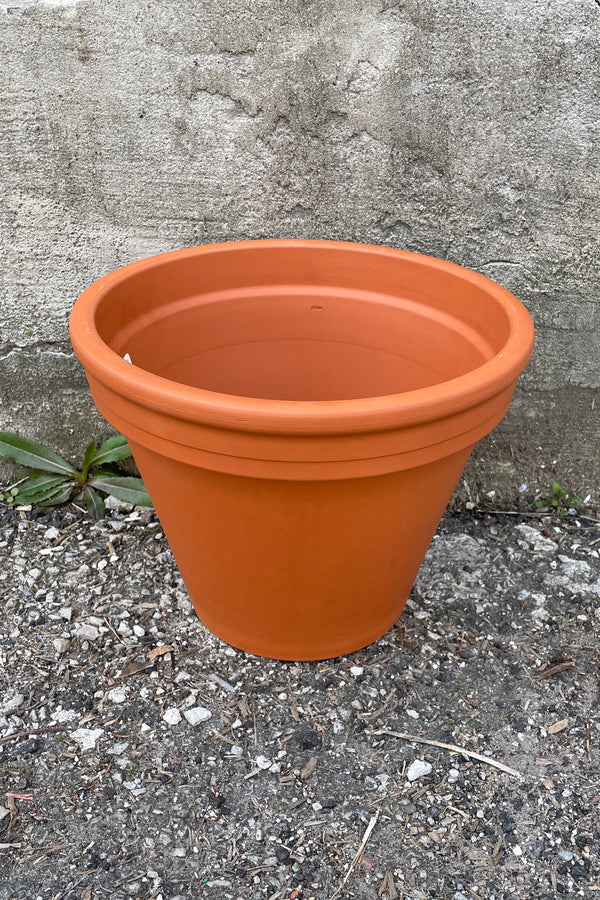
<point>61,644</point>
<point>418,769</point>
<point>356,671</point>
<point>197,714</point>
<point>87,632</point>
<point>412,713</point>
<point>87,738</point>
<point>517,850</point>
<point>172,716</point>
<point>117,749</point>
<point>117,695</point>
<point>263,763</point>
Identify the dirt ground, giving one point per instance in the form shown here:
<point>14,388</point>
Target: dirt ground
<point>141,757</point>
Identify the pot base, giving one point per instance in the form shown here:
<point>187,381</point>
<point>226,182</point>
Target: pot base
<point>298,570</point>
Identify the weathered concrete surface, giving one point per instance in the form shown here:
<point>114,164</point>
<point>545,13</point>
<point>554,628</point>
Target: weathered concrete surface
<point>468,130</point>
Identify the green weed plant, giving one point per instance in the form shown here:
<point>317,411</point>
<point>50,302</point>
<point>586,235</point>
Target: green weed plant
<point>48,480</point>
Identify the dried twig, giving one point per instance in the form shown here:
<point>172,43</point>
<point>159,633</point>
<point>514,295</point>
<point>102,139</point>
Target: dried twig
<point>554,670</point>
<point>30,731</point>
<point>454,748</point>
<point>118,636</point>
<point>71,887</point>
<point>514,512</point>
<point>359,853</point>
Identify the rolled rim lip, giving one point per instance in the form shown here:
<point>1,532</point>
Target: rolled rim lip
<point>300,416</point>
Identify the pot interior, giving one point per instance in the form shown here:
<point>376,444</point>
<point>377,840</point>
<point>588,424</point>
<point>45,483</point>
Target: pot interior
<point>313,342</point>
<point>283,345</point>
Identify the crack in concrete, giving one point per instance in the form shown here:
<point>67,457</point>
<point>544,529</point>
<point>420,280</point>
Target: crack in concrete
<point>508,262</point>
<point>57,349</point>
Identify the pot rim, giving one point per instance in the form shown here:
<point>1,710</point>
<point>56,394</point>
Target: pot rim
<point>301,416</point>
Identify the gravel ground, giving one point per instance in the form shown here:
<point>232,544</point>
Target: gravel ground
<point>141,757</point>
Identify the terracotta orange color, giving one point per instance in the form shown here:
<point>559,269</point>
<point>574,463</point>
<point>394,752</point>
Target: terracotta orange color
<point>301,412</point>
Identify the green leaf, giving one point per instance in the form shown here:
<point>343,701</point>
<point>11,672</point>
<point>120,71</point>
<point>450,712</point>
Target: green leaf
<point>40,486</point>
<point>131,490</point>
<point>34,456</point>
<point>94,502</point>
<point>61,494</point>
<point>88,456</point>
<point>112,450</point>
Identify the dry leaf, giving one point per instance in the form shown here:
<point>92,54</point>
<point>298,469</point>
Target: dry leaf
<point>160,651</point>
<point>558,726</point>
<point>307,770</point>
<point>14,812</point>
<point>388,887</point>
<point>88,892</point>
<point>244,707</point>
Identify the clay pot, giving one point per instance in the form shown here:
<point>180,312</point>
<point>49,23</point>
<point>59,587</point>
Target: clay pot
<point>300,412</point>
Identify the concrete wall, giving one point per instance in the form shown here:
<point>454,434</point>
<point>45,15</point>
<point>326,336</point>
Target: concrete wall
<point>467,129</point>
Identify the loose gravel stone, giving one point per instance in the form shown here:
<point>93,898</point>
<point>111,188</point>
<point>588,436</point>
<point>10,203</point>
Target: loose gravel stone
<point>418,769</point>
<point>87,738</point>
<point>61,644</point>
<point>172,716</point>
<point>86,632</point>
<point>197,714</point>
<point>117,695</point>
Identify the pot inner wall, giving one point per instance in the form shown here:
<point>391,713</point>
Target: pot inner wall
<point>307,344</point>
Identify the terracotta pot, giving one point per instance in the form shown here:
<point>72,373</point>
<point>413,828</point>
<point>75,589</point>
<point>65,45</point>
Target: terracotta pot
<point>301,412</point>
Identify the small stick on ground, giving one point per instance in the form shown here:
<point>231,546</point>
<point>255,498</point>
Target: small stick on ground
<point>554,670</point>
<point>454,748</point>
<point>359,853</point>
<point>22,734</point>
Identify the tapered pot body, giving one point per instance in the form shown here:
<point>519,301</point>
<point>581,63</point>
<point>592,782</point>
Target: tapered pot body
<point>301,412</point>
